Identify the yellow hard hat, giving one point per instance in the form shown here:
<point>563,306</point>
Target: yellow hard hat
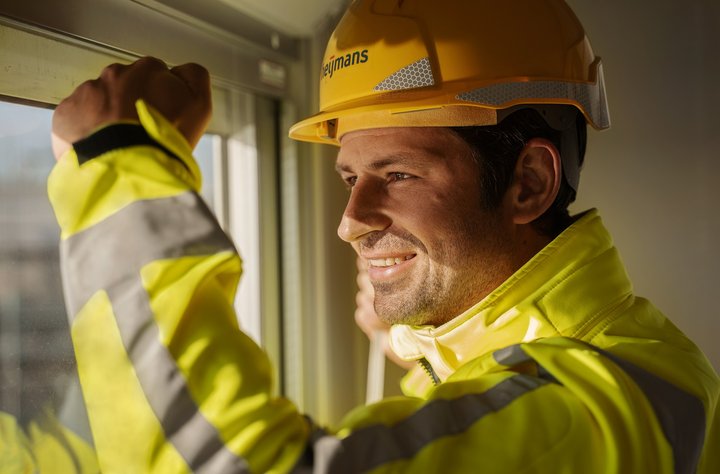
<point>404,63</point>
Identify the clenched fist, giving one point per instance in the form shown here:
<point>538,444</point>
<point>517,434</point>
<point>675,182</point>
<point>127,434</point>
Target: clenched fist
<point>181,94</point>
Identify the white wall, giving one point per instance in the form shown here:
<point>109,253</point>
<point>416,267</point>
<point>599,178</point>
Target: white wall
<point>654,175</point>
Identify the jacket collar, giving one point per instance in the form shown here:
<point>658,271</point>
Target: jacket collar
<point>565,289</point>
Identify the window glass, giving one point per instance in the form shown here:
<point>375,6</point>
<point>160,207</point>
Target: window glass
<point>204,155</point>
<point>36,363</point>
<point>36,359</point>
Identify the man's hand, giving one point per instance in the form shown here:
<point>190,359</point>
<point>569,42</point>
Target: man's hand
<point>366,317</point>
<point>181,94</point>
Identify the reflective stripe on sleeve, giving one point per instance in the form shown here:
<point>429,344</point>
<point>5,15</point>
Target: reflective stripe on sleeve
<point>515,355</point>
<point>109,256</point>
<point>375,445</point>
<point>142,232</point>
<point>681,416</point>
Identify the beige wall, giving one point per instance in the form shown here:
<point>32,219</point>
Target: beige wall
<point>654,175</point>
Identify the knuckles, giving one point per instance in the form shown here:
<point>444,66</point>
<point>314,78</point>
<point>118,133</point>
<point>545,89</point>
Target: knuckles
<point>112,72</point>
<point>150,62</point>
<point>193,71</point>
<point>181,94</point>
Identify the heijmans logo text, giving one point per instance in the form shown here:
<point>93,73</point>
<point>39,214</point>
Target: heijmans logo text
<point>336,63</point>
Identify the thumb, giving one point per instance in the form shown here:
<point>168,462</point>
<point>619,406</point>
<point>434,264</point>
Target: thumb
<point>59,146</point>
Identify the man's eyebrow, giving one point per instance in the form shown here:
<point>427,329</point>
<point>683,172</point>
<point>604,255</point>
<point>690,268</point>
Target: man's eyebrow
<point>342,168</point>
<point>393,160</point>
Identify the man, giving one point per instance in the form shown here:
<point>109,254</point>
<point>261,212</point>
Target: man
<point>461,131</point>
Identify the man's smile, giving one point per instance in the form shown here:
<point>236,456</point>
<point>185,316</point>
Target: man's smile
<point>384,268</point>
<point>389,261</point>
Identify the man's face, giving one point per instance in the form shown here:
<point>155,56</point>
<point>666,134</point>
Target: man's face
<point>415,214</point>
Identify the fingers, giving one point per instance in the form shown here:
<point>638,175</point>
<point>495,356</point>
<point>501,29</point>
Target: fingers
<point>151,62</point>
<point>363,279</point>
<point>142,67</point>
<point>365,316</point>
<point>76,116</point>
<point>197,80</point>
<point>59,145</point>
<point>181,94</point>
<point>131,77</point>
<point>195,76</point>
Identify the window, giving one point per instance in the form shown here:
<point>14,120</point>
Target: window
<point>205,156</point>
<point>37,367</point>
<point>36,361</point>
<point>49,53</point>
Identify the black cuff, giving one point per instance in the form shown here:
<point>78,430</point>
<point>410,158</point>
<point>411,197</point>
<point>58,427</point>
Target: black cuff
<point>112,137</point>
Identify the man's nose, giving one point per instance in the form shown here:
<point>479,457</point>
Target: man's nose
<point>364,212</point>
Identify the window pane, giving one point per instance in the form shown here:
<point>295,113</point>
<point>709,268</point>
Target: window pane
<point>36,363</point>
<point>204,157</point>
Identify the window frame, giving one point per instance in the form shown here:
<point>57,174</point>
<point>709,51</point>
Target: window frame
<point>305,295</point>
<point>43,65</point>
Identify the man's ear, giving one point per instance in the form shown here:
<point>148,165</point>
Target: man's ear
<point>536,180</point>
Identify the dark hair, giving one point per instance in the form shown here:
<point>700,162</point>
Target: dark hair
<point>496,149</point>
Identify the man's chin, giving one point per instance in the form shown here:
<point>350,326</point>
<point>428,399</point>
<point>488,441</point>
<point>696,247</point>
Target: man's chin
<point>400,314</point>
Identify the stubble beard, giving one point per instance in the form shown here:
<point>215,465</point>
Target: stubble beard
<point>412,305</point>
<point>444,291</point>
<point>434,299</point>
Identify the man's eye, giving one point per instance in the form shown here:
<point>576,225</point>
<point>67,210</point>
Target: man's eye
<point>399,176</point>
<point>350,181</point>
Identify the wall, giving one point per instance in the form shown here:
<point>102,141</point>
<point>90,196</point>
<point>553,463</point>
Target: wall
<point>654,174</point>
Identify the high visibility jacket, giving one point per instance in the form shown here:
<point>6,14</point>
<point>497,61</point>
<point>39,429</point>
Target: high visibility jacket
<point>562,369</point>
<point>47,447</point>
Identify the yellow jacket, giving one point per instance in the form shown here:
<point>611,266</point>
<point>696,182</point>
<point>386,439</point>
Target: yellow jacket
<point>46,447</point>
<point>561,369</point>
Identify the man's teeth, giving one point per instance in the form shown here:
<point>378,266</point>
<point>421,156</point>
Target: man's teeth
<point>388,262</point>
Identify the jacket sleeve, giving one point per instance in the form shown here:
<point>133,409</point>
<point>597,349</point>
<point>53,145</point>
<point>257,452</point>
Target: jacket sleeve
<point>44,446</point>
<point>172,385</point>
<point>170,382</point>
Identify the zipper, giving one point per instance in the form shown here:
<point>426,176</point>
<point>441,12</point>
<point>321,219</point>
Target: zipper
<point>425,364</point>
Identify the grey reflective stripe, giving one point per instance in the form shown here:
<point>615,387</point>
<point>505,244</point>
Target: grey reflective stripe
<point>375,445</point>
<point>681,415</point>
<point>511,356</point>
<point>514,355</point>
<point>308,463</point>
<point>590,96</point>
<point>105,255</point>
<point>412,76</point>
<point>109,256</point>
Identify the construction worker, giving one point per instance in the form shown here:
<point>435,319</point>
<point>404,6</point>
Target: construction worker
<point>461,128</point>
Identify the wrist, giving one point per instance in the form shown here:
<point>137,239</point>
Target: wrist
<point>114,136</point>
